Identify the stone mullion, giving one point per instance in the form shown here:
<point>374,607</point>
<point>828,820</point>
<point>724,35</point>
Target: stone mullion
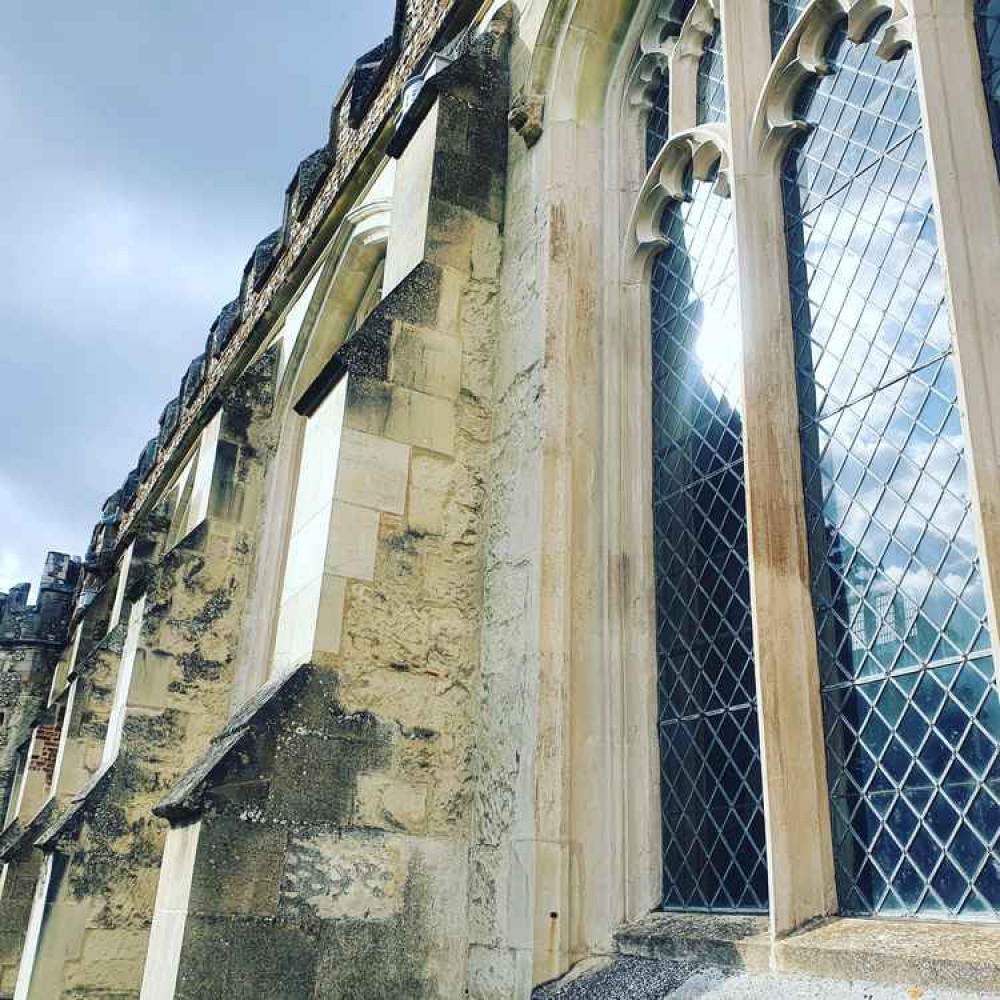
<point>799,843</point>
<point>967,207</point>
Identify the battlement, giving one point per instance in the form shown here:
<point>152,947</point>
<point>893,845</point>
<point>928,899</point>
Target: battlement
<point>45,622</point>
<point>364,105</point>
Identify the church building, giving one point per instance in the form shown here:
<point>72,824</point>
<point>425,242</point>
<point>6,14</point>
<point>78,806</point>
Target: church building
<point>576,551</point>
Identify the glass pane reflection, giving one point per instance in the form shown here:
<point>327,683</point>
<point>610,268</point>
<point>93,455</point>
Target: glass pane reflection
<point>658,121</point>
<point>988,33</point>
<point>712,80</point>
<point>784,14</point>
<point>713,823</point>
<point>912,718</point>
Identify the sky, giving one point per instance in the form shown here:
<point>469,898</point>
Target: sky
<point>146,150</point>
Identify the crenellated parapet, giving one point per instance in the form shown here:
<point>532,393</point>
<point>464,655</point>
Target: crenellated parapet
<point>362,111</point>
<point>47,620</point>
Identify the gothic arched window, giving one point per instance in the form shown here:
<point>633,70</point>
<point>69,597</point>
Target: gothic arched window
<point>911,712</point>
<point>714,854</point>
<point>988,33</point>
<point>712,80</point>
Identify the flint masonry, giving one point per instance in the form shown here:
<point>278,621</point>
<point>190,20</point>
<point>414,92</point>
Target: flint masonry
<point>579,538</point>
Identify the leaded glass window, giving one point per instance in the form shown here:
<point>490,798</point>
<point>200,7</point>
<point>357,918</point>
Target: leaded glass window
<point>912,717</point>
<point>712,80</point>
<point>713,820</point>
<point>658,122</point>
<point>988,32</point>
<point>784,14</point>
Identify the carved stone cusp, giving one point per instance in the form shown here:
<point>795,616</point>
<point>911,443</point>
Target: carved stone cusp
<point>527,117</point>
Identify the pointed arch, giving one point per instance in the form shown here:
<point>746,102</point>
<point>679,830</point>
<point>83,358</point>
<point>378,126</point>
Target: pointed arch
<point>714,844</point>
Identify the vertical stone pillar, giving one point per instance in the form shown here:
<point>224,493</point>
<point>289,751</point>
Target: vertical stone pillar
<point>799,844</point>
<point>967,208</point>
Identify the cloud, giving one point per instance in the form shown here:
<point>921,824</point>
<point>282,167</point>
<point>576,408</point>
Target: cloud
<point>10,569</point>
<point>149,146</point>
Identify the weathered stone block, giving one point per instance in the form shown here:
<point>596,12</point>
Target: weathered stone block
<point>426,361</point>
<point>422,420</point>
<point>373,472</point>
<point>238,869</point>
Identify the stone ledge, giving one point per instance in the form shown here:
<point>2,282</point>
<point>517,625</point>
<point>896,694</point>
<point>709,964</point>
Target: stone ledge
<point>741,942</point>
<point>924,954</point>
<point>643,979</point>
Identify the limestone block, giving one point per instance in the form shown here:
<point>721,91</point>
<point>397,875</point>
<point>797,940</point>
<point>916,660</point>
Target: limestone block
<point>306,549</point>
<point>415,700</point>
<point>430,481</point>
<point>453,286</point>
<point>487,249</point>
<point>425,421</point>
<point>321,448</point>
<point>367,405</point>
<point>166,936</point>
<point>384,802</point>
<point>353,539</point>
<point>234,959</point>
<point>148,687</point>
<point>492,973</point>
<point>122,948</point>
<point>489,878</point>
<point>426,361</point>
<point>411,197</point>
<point>478,338</point>
<point>311,621</point>
<point>373,472</point>
<point>330,619</point>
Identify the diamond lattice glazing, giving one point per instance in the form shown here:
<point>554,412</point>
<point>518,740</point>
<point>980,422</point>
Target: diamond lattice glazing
<point>912,719</point>
<point>658,121</point>
<point>988,32</point>
<point>784,14</point>
<point>713,822</point>
<point>712,80</point>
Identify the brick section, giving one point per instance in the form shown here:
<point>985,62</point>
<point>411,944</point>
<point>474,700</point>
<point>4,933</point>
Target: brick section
<point>46,749</point>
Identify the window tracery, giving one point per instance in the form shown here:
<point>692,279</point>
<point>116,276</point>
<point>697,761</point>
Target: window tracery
<point>714,854</point>
<point>911,713</point>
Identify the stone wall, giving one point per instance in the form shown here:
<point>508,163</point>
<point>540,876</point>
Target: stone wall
<point>105,843</point>
<point>346,789</point>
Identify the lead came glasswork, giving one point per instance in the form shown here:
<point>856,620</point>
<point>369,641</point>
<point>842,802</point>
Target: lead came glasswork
<point>912,718</point>
<point>713,821</point>
<point>712,80</point>
<point>988,33</point>
<point>784,14</point>
<point>658,122</point>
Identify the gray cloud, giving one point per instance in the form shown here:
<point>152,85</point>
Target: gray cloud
<point>147,150</point>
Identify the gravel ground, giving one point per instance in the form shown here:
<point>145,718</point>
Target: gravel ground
<point>637,979</point>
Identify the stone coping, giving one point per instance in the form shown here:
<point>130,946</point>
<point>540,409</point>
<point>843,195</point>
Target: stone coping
<point>17,836</point>
<point>185,798</point>
<point>65,823</point>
